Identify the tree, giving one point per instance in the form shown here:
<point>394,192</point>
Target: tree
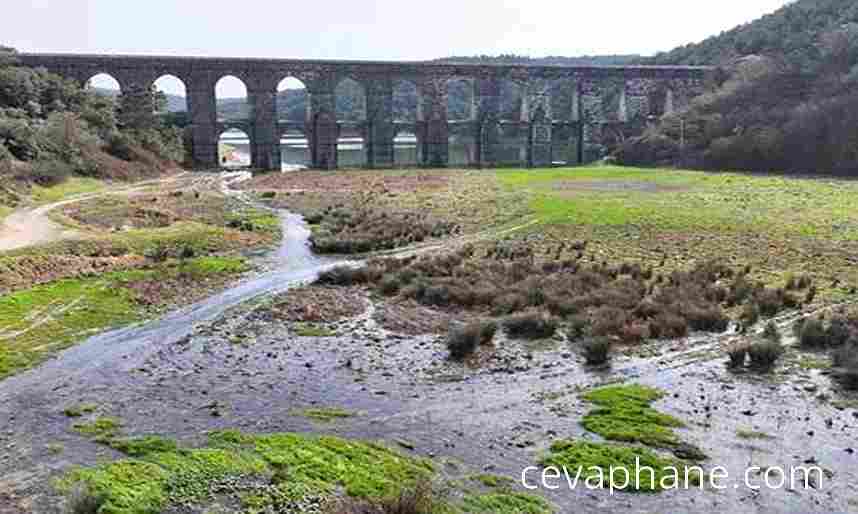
<point>138,107</point>
<point>7,56</point>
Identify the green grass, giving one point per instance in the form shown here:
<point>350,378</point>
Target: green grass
<point>669,219</point>
<point>302,329</point>
<point>493,481</point>
<point>752,434</point>
<point>506,502</point>
<point>692,200</point>
<point>101,428</point>
<point>79,410</point>
<point>142,446</point>
<point>809,362</point>
<point>595,461</point>
<point>159,474</point>
<point>36,322</point>
<point>624,413</point>
<point>327,414</point>
<point>69,187</point>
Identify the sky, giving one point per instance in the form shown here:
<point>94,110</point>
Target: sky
<point>368,29</point>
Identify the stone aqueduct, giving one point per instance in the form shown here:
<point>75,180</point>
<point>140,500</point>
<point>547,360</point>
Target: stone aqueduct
<point>603,102</point>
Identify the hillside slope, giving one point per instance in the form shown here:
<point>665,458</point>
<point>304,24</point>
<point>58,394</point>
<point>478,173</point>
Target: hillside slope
<point>791,32</point>
<point>787,102</point>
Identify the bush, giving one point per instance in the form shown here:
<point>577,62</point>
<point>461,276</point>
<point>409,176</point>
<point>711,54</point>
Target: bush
<point>812,334</point>
<point>771,332</point>
<point>390,285</point>
<point>463,341</point>
<point>49,172</point>
<point>738,354</point>
<point>608,321</point>
<point>709,319</point>
<point>83,499</point>
<point>597,350</point>
<point>838,332</point>
<point>764,354</point>
<point>488,329</point>
<point>750,316</point>
<point>579,326</point>
<point>846,366</point>
<point>530,325</point>
<point>418,500</point>
<point>668,326</point>
<point>342,276</point>
<point>157,253</point>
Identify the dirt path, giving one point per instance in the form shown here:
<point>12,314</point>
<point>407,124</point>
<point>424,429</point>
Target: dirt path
<point>30,226</point>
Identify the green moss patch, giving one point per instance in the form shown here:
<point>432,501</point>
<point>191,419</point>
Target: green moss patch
<point>752,434</point>
<point>77,411</point>
<point>596,460</point>
<point>36,322</point>
<point>268,473</point>
<point>311,330</point>
<point>102,428</point>
<point>493,481</point>
<point>507,502</point>
<point>160,475</point>
<point>625,414</point>
<point>327,414</point>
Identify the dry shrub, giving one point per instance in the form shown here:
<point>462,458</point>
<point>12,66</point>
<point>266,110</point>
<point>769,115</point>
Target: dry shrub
<point>421,499</point>
<point>463,341</point>
<point>765,354</point>
<point>619,300</point>
<point>530,325</point>
<point>597,350</point>
<point>846,366</point>
<point>738,354</point>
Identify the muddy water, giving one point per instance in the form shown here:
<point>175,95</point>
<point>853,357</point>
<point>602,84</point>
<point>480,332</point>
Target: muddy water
<point>220,364</point>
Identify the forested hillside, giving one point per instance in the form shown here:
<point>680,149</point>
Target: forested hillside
<point>792,33</point>
<point>787,99</point>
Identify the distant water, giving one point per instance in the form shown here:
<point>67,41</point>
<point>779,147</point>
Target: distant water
<point>351,152</point>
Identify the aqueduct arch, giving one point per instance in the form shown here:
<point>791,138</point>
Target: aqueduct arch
<point>562,122</point>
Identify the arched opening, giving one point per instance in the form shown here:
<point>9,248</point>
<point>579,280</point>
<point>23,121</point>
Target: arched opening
<point>405,102</point>
<point>104,84</point>
<point>171,100</point>
<point>350,101</point>
<point>660,99</point>
<point>511,101</point>
<point>564,144</point>
<point>564,116</point>
<point>406,113</point>
<point>174,92</point>
<point>295,150</point>
<point>461,145</point>
<point>461,141</point>
<point>232,103</point>
<point>292,101</point>
<point>613,98</point>
<point>351,117</point>
<point>406,149</point>
<point>460,100</point>
<point>233,149</point>
<point>511,146</point>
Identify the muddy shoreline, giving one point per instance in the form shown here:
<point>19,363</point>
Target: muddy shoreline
<point>217,365</point>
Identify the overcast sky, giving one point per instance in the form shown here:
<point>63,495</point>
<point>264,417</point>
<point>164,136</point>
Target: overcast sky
<point>369,29</point>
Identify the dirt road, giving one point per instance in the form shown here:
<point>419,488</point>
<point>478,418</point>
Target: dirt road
<point>30,226</point>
